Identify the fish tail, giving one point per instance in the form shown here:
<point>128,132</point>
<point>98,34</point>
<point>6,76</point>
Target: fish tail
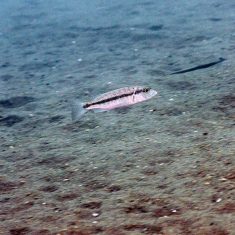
<point>77,110</point>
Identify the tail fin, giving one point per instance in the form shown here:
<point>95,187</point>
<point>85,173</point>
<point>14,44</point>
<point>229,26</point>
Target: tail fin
<point>77,110</point>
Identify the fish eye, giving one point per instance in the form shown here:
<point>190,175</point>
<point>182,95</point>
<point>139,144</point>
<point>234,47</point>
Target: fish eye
<point>146,89</point>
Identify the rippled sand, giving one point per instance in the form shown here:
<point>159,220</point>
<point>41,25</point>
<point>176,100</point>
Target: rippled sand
<point>162,167</point>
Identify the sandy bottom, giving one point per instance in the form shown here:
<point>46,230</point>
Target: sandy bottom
<point>165,166</point>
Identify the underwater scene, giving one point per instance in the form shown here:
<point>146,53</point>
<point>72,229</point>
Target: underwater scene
<point>117,117</point>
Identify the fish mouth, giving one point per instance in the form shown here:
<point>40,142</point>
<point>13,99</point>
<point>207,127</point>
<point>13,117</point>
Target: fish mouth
<point>152,92</point>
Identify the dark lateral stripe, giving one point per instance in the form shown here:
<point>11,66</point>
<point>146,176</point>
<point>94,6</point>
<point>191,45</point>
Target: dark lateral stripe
<point>116,97</point>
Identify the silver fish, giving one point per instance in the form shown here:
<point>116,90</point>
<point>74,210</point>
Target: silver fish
<point>119,98</point>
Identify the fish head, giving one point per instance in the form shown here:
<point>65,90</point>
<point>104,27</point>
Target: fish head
<point>149,92</point>
<point>152,92</point>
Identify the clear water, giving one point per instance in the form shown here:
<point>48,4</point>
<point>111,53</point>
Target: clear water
<point>165,166</point>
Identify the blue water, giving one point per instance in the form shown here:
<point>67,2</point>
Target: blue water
<point>164,166</point>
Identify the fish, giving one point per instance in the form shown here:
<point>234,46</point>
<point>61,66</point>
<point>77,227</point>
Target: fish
<point>119,98</point>
<point>202,66</point>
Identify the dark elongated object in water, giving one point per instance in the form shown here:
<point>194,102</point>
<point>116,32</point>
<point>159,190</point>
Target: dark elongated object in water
<point>203,66</point>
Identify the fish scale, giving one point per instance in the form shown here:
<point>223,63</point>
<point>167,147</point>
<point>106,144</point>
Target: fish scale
<point>122,97</point>
<point>117,92</point>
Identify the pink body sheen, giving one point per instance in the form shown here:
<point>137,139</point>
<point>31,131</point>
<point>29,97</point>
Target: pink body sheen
<point>124,101</point>
<point>119,98</point>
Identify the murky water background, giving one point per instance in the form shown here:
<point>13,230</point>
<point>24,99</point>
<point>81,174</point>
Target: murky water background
<point>165,166</point>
